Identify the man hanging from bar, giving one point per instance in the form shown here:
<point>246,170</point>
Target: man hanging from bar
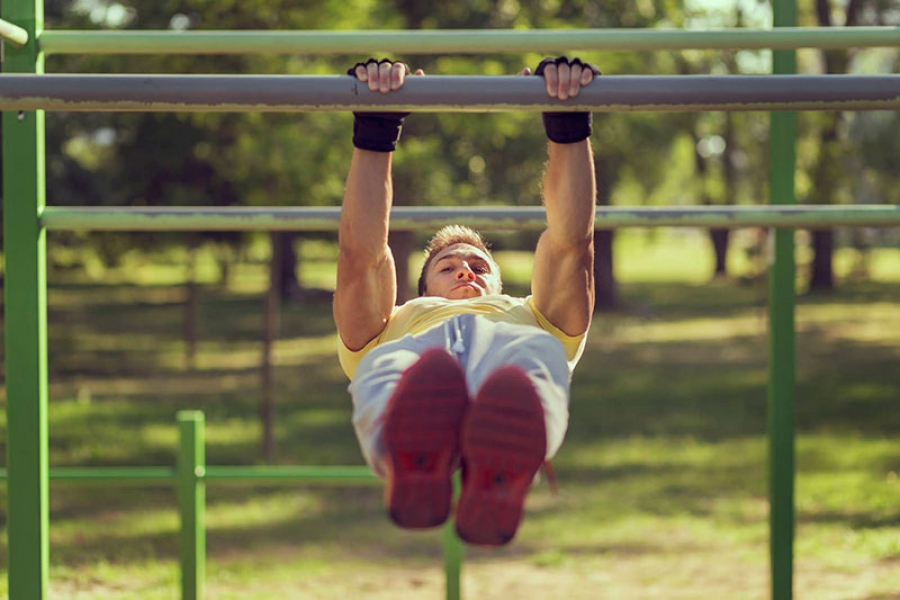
<point>464,376</point>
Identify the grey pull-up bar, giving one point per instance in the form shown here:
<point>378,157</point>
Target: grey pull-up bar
<point>431,218</point>
<point>616,93</point>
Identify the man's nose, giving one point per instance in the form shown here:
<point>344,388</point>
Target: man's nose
<point>465,272</point>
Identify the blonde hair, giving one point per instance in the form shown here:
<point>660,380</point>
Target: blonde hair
<point>446,237</point>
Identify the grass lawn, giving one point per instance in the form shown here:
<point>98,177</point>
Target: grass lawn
<point>662,479</point>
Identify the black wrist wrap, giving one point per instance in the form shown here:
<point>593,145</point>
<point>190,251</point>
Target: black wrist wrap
<point>378,132</point>
<point>567,127</point>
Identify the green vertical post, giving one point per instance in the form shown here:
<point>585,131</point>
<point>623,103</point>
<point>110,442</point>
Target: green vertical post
<point>25,290</point>
<point>192,503</point>
<point>454,553</point>
<point>782,160</point>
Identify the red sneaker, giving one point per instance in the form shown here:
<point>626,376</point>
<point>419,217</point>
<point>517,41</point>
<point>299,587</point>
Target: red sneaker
<point>504,442</point>
<point>421,436</point>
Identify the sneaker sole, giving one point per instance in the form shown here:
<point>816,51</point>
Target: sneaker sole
<point>421,437</point>
<point>504,443</point>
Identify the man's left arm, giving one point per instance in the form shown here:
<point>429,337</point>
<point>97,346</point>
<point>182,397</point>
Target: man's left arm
<point>563,279</point>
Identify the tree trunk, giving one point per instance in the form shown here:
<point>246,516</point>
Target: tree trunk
<point>270,335</point>
<point>289,282</point>
<point>719,238</point>
<point>190,317</point>
<point>401,243</point>
<point>605,286</point>
<point>826,172</point>
<point>604,275</point>
<point>821,278</point>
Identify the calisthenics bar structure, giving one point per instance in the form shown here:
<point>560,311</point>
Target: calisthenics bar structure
<point>27,220</point>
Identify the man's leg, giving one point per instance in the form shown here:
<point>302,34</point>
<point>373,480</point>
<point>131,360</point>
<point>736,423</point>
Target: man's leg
<point>409,408</point>
<point>518,418</point>
<point>540,356</point>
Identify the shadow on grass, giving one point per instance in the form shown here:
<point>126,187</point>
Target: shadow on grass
<point>647,374</point>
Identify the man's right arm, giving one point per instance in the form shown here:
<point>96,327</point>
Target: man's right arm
<point>366,280</point>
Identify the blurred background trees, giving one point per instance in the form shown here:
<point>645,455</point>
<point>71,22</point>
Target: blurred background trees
<point>301,160</point>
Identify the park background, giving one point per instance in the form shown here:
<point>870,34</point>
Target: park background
<point>663,484</point>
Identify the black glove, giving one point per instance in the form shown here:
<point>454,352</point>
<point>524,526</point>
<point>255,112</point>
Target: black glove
<point>566,127</point>
<point>376,131</point>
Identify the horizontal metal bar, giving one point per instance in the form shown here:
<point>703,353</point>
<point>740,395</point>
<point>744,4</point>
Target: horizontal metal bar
<point>256,474</point>
<point>459,41</point>
<point>307,474</point>
<point>261,93</point>
<point>13,33</point>
<point>143,475</point>
<point>404,218</point>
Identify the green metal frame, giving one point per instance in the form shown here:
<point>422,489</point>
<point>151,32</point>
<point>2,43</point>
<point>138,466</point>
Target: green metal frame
<point>460,41</point>
<point>26,221</point>
<point>25,290</point>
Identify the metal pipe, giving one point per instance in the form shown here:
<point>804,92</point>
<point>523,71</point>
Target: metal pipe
<point>137,475</point>
<point>782,357</point>
<point>306,474</point>
<point>459,41</point>
<point>405,218</point>
<point>623,93</point>
<point>13,33</point>
<point>332,475</point>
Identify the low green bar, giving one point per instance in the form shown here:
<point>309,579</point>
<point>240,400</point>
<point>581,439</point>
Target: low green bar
<point>461,41</point>
<point>56,218</point>
<point>454,551</point>
<point>13,33</point>
<point>138,475</point>
<point>192,504</point>
<point>310,474</point>
<point>255,474</point>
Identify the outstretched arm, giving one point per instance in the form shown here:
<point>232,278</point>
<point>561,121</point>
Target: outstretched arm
<point>563,279</point>
<point>366,280</point>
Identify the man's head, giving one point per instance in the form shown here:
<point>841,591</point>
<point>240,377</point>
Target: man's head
<point>458,264</point>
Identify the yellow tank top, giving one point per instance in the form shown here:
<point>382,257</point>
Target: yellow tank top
<point>421,314</point>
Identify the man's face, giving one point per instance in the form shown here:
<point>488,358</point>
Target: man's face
<point>461,271</point>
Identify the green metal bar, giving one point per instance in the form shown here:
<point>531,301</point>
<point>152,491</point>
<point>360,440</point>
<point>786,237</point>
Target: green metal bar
<point>136,475</point>
<point>454,552</point>
<point>308,474</point>
<point>445,93</point>
<point>192,504</point>
<point>13,33</point>
<point>25,289</point>
<point>461,41</point>
<point>254,474</point>
<point>58,218</point>
<point>782,164</point>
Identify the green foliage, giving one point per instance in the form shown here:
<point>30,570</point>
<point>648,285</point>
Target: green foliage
<point>288,160</point>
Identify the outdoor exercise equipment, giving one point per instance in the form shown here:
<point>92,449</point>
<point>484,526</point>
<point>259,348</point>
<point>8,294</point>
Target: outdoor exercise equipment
<point>25,93</point>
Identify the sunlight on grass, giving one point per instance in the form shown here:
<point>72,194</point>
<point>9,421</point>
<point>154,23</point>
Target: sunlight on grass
<point>697,329</point>
<point>663,477</point>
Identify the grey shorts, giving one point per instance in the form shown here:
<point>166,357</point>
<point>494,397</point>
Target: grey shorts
<point>481,346</point>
